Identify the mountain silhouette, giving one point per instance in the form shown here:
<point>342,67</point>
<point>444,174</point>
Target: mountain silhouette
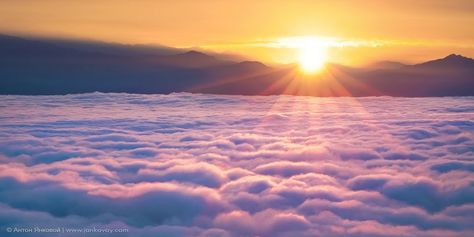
<point>386,65</point>
<point>55,66</point>
<point>190,59</point>
<point>452,61</point>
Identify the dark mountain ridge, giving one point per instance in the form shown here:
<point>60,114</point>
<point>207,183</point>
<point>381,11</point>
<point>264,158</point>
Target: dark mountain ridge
<point>31,66</point>
<point>452,61</point>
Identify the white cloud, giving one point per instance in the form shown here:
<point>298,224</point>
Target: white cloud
<point>209,165</point>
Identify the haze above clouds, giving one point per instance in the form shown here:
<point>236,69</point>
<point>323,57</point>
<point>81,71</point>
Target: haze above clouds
<point>207,165</point>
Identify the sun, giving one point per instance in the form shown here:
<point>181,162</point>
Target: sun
<point>312,57</point>
<point>311,51</point>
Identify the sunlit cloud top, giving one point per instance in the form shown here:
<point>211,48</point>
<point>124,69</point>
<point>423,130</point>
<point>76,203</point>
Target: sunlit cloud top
<point>298,41</point>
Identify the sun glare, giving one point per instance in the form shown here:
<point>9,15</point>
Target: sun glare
<point>311,51</point>
<point>312,58</point>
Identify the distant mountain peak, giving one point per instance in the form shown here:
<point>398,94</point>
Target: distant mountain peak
<point>386,65</point>
<point>252,63</point>
<point>195,53</point>
<point>452,61</point>
<point>457,57</point>
<point>191,59</point>
<point>453,55</point>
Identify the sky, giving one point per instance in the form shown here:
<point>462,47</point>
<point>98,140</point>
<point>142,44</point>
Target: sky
<point>408,31</point>
<point>232,166</point>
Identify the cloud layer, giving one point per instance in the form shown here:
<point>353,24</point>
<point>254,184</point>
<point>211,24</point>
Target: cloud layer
<point>207,165</point>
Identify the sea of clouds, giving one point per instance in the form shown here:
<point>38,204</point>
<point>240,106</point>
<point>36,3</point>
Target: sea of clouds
<point>208,165</point>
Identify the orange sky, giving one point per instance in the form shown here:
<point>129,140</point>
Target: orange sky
<point>409,31</point>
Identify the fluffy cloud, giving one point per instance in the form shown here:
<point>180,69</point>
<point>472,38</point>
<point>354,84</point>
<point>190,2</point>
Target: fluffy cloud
<point>227,166</point>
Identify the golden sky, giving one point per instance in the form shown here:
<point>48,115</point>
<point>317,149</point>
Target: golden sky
<point>409,31</point>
